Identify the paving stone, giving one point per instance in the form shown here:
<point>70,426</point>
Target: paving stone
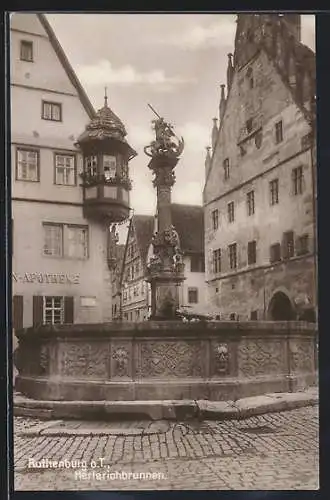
<point>277,451</point>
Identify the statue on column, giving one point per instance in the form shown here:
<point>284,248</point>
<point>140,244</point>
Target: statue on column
<point>164,143</point>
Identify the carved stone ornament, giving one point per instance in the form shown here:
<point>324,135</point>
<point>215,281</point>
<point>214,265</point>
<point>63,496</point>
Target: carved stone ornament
<point>120,357</point>
<point>222,359</point>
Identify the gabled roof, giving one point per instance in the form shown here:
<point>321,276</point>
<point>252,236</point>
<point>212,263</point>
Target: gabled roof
<point>144,227</point>
<point>303,56</point>
<point>188,221</point>
<point>67,66</point>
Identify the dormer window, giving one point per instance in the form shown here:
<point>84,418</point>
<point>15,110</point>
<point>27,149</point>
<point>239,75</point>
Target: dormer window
<point>109,166</point>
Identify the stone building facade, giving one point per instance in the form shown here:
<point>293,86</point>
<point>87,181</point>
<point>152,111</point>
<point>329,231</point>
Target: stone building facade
<point>260,177</point>
<point>59,252</point>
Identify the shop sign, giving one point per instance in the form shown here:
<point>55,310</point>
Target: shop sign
<point>51,278</point>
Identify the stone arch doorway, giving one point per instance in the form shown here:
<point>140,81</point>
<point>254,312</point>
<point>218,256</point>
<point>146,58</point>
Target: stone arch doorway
<point>280,308</point>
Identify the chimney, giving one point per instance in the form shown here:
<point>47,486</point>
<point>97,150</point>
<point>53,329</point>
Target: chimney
<point>230,71</point>
<point>215,132</point>
<point>222,102</point>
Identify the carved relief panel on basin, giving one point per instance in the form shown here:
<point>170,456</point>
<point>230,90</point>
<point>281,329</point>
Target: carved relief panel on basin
<point>260,357</point>
<point>83,359</point>
<point>302,356</point>
<point>121,359</point>
<point>171,359</point>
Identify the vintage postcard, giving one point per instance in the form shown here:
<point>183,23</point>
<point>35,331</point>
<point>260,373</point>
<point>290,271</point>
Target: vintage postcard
<point>164,251</point>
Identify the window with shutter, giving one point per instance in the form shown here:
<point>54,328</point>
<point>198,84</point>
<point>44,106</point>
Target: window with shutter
<point>68,310</point>
<point>17,312</point>
<point>38,310</point>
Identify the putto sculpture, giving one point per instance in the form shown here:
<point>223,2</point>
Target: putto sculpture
<point>166,142</point>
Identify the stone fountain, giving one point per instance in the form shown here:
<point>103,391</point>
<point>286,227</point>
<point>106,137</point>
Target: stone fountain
<point>87,369</point>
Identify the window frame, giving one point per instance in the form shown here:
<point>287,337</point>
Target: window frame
<point>52,103</point>
<point>26,43</point>
<point>272,256</point>
<point>288,245</point>
<point>250,202</point>
<point>279,131</point>
<point>231,212</point>
<point>216,260</point>
<point>298,180</point>
<point>215,219</point>
<point>226,168</point>
<point>53,309</point>
<point>114,159</point>
<point>66,240</point>
<point>72,155</point>
<point>27,150</point>
<point>233,246</point>
<point>53,224</point>
<point>274,200</point>
<point>252,244</point>
<point>192,289</point>
<point>65,227</point>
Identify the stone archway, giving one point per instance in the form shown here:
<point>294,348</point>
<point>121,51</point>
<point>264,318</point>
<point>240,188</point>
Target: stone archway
<point>280,308</point>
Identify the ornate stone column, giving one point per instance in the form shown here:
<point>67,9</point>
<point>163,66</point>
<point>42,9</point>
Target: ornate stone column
<point>166,268</point>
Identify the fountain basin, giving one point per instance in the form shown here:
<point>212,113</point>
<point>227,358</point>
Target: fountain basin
<point>165,360</point>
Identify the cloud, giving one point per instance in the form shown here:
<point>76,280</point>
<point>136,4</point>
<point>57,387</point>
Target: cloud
<point>103,73</point>
<point>215,35</point>
<point>191,194</point>
<point>195,135</point>
<point>140,136</point>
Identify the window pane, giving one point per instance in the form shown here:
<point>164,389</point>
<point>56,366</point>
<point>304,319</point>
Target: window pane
<point>77,242</point>
<point>109,166</point>
<point>56,112</point>
<point>47,111</point>
<point>26,51</point>
<point>64,170</point>
<point>53,239</point>
<point>27,165</point>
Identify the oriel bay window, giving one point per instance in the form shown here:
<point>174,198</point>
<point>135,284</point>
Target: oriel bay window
<point>65,241</point>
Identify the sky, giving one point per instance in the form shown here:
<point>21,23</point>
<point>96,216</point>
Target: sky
<point>175,62</point>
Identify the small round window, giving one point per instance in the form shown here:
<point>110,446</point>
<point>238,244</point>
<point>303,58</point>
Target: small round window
<point>258,139</point>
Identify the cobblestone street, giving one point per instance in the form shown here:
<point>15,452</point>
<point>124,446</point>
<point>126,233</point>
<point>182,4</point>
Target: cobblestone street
<point>276,451</point>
